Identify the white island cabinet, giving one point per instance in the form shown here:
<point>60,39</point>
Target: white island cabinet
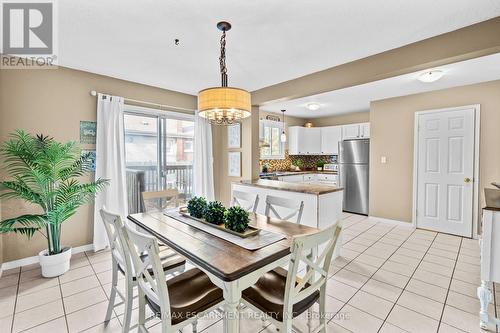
<point>490,264</point>
<point>322,203</point>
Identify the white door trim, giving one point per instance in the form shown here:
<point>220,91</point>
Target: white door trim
<point>477,128</point>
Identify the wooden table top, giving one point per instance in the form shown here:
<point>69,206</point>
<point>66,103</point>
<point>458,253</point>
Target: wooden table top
<point>225,260</point>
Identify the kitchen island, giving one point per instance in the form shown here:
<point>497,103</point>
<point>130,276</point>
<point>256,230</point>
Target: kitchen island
<point>322,203</point>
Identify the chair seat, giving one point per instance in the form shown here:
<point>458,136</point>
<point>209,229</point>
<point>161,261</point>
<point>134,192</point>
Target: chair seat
<point>169,260</point>
<point>190,292</point>
<point>269,292</point>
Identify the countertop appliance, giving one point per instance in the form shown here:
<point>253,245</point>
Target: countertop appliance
<point>353,174</point>
<point>331,167</point>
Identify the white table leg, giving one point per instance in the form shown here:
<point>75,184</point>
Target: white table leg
<point>232,296</point>
<point>484,294</point>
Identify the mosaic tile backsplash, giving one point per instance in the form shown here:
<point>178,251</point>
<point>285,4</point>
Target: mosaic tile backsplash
<point>307,162</point>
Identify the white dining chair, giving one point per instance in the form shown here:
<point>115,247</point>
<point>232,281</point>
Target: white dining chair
<point>179,301</point>
<point>281,295</point>
<point>281,206</point>
<point>121,263</point>
<point>158,201</point>
<point>247,201</point>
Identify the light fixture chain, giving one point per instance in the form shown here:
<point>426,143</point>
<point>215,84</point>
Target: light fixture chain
<point>222,59</point>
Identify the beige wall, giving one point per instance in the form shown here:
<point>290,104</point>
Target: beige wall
<point>470,42</point>
<point>249,156</point>
<point>392,122</point>
<point>343,119</point>
<point>53,102</point>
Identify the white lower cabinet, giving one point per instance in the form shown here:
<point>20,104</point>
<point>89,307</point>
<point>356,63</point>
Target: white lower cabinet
<point>292,179</point>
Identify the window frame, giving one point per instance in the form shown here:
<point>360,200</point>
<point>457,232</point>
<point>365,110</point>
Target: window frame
<point>263,123</point>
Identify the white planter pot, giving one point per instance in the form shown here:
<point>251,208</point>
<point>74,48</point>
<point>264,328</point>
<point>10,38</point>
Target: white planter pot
<point>56,264</point>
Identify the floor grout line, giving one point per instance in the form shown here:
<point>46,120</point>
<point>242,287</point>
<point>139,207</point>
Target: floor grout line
<point>406,285</point>
<point>63,305</point>
<point>379,268</point>
<point>358,226</point>
<point>15,302</point>
<point>360,274</point>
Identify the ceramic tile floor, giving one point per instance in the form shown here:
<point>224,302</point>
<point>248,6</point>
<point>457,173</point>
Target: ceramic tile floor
<point>389,279</point>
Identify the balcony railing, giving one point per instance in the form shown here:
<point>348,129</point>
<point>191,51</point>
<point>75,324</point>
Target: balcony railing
<point>145,178</point>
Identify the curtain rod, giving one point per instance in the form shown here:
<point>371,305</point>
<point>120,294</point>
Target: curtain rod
<point>156,105</point>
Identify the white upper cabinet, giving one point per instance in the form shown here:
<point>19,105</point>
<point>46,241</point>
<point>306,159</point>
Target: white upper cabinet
<point>365,130</point>
<point>356,131</point>
<point>350,131</point>
<point>310,141</point>
<point>304,141</point>
<point>330,137</point>
<point>323,140</point>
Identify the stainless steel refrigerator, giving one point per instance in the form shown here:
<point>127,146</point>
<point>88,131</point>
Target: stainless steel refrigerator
<point>354,158</point>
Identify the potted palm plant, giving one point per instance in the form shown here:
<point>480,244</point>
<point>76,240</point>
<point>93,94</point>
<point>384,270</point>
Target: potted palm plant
<point>45,173</point>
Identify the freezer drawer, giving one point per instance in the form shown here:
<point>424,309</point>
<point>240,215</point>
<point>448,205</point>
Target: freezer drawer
<point>354,179</point>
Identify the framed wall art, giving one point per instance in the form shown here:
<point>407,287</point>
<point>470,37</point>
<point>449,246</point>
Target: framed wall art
<point>234,164</point>
<point>234,136</point>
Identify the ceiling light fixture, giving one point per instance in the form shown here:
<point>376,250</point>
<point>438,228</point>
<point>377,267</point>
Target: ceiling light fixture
<point>431,76</point>
<point>224,105</point>
<point>313,106</point>
<point>283,134</point>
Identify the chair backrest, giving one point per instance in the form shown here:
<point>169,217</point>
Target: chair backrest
<point>291,207</point>
<point>159,200</point>
<point>113,225</point>
<point>247,201</point>
<point>153,284</point>
<point>303,250</point>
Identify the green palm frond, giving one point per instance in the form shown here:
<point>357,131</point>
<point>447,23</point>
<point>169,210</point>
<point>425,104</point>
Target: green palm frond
<point>24,224</point>
<point>45,172</point>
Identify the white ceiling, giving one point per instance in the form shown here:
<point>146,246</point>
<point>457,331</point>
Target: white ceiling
<point>357,98</point>
<point>271,41</point>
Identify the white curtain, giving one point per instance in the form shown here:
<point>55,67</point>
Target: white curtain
<point>203,176</point>
<point>110,164</point>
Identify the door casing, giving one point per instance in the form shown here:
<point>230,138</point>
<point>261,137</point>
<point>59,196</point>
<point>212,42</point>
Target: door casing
<point>475,187</point>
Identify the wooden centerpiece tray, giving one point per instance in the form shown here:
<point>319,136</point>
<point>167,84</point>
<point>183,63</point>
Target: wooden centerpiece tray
<point>250,231</point>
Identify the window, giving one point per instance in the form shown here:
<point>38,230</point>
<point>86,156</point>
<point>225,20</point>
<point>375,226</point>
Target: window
<point>159,151</point>
<point>270,132</point>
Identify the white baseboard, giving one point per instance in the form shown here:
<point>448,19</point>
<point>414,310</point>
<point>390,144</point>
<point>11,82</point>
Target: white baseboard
<point>409,225</point>
<point>33,260</point>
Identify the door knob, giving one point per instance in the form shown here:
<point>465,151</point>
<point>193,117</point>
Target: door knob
<point>467,180</point>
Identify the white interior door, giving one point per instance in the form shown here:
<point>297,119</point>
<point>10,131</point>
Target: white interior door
<point>445,171</point>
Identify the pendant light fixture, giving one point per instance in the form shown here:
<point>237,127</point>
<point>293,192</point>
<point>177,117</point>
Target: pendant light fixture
<point>283,134</point>
<point>224,105</point>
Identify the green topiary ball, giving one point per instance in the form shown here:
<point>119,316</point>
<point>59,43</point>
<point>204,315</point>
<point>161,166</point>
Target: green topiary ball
<point>196,207</point>
<point>236,219</point>
<point>214,212</point>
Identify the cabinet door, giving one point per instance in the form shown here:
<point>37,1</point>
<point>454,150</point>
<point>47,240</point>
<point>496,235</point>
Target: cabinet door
<point>330,137</point>
<point>365,130</point>
<point>351,131</point>
<point>310,141</point>
<point>293,179</point>
<point>310,177</point>
<point>293,139</point>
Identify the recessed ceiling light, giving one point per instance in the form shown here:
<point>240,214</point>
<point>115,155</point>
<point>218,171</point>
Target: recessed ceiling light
<point>431,76</point>
<point>313,106</point>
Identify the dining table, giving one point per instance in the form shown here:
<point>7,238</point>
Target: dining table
<point>229,266</point>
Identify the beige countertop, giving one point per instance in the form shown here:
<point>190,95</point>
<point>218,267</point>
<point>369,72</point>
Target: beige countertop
<point>316,189</point>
